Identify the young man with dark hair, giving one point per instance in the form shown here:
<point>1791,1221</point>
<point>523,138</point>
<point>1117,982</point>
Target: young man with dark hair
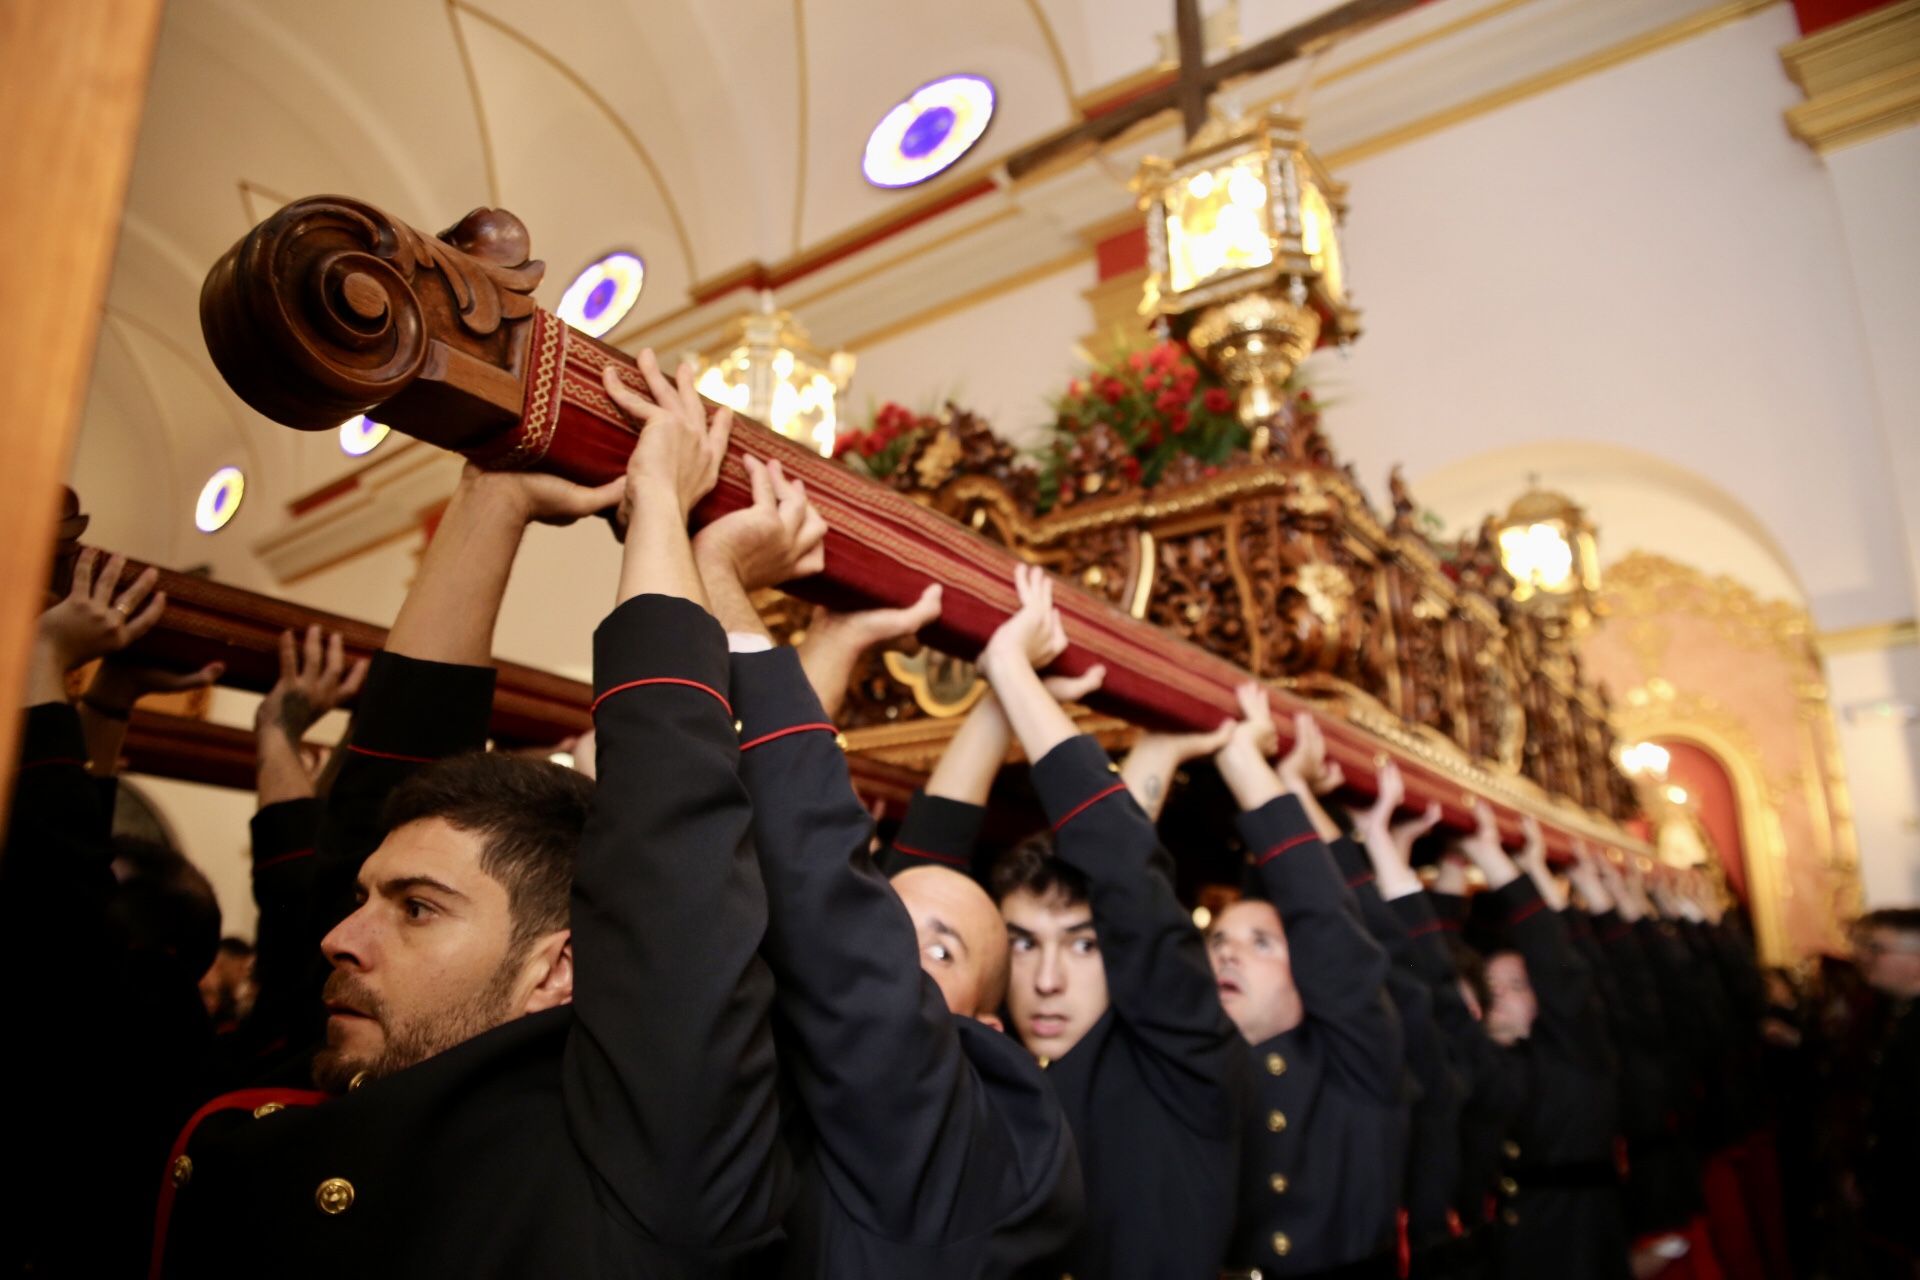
<point>1306,986</point>
<point>529,1091</point>
<point>1110,990</point>
<point>1562,1213</point>
<point>1887,943</point>
<point>927,1142</point>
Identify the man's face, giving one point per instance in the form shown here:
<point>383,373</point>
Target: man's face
<point>1889,960</point>
<point>423,962</point>
<point>1247,946</point>
<point>1057,982</point>
<point>1510,1017</point>
<point>963,943</point>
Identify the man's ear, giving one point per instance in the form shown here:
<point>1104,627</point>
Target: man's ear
<point>992,1020</point>
<point>550,964</point>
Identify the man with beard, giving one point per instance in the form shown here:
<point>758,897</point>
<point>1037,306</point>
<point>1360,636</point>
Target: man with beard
<point>1110,989</point>
<point>547,1049</point>
<point>1306,986</point>
<point>927,1142</point>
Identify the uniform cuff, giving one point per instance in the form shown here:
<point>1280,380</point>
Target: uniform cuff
<point>51,735</point>
<point>1518,901</point>
<point>418,710</point>
<point>1074,777</point>
<point>652,641</point>
<point>1276,828</point>
<point>1355,866</point>
<point>940,829</point>
<point>284,832</point>
<point>772,698</point>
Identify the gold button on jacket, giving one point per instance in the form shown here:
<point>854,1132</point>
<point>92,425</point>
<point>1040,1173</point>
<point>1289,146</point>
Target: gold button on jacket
<point>1276,1065</point>
<point>1279,1184</point>
<point>182,1170</point>
<point>1277,1121</point>
<point>1510,1149</point>
<point>1282,1245</point>
<point>266,1109</point>
<point>335,1195</point>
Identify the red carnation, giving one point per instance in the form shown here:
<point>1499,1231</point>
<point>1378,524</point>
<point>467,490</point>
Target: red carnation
<point>1166,354</point>
<point>1112,390</point>
<point>1152,382</point>
<point>1179,421</point>
<point>1169,401</point>
<point>1137,361</point>
<point>1217,400</point>
<point>1130,467</point>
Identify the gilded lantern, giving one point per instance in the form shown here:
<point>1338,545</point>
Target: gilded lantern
<point>1547,547</point>
<point>1244,255</point>
<point>768,369</point>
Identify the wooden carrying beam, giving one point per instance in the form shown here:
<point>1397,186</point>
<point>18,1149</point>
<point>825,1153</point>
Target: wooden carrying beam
<point>330,308</point>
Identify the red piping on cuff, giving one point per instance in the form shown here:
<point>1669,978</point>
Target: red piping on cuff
<point>1283,846</point>
<point>1525,912</point>
<point>635,684</point>
<point>1365,877</point>
<point>1425,927</point>
<point>359,750</point>
<point>35,764</point>
<point>277,859</point>
<point>781,733</point>
<point>1088,803</point>
<point>951,859</point>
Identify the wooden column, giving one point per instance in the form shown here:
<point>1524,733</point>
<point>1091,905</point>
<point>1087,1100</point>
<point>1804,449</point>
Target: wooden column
<point>73,79</point>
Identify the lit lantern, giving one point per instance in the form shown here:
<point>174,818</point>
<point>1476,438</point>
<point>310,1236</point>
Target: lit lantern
<point>1645,760</point>
<point>767,369</point>
<point>1243,252</point>
<point>1547,547</point>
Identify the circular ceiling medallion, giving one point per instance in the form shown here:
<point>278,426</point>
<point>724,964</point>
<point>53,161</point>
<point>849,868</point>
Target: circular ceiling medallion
<point>936,125</point>
<point>600,296</point>
<point>359,436</point>
<point>219,499</point>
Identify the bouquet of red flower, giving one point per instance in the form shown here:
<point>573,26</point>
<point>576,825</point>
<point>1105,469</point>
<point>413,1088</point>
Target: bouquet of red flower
<point>884,447</point>
<point>1160,402</point>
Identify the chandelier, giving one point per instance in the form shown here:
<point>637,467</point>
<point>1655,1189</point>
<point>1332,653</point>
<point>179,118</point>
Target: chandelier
<point>1547,547</point>
<point>1244,256</point>
<point>768,369</point>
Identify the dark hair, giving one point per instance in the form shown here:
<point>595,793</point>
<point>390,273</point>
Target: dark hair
<point>1898,919</point>
<point>236,947</point>
<point>164,903</point>
<point>1030,865</point>
<point>529,813</point>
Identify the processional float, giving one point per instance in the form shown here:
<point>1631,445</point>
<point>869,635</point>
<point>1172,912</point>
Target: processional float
<point>330,308</point>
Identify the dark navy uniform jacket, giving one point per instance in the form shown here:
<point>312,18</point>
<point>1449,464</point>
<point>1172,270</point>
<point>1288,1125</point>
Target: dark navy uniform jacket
<point>927,1143</point>
<point>633,1133</point>
<point>1327,1138</point>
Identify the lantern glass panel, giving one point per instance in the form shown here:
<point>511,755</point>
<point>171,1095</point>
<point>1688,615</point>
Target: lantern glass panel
<point>1217,223</point>
<point>1320,239</point>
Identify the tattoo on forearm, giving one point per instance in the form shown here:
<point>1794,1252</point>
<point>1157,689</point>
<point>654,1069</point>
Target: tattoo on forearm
<point>296,714</point>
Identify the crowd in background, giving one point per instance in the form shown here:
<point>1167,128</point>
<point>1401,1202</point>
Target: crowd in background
<point>678,1009</point>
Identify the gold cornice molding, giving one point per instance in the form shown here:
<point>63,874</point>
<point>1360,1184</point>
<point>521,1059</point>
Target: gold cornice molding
<point>1872,638</point>
<point>1861,78</point>
<point>1641,582</point>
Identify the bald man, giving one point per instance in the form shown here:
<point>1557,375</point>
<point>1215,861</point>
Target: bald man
<point>928,1143</point>
<point>963,941</point>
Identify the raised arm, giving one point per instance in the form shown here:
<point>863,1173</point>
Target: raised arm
<point>1339,969</point>
<point>907,1143</point>
<point>670,1083</point>
<point>1158,980</point>
<point>1569,1007</point>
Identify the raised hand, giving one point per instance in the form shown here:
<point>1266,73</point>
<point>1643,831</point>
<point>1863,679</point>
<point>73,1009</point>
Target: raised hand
<point>536,498</point>
<point>835,641</point>
<point>1067,689</point>
<point>1376,822</point>
<point>1484,850</point>
<point>1034,635</point>
<point>1305,768</point>
<point>97,618</point>
<point>777,537</point>
<point>678,456</point>
<point>314,679</point>
<point>1587,878</point>
<point>1406,834</point>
